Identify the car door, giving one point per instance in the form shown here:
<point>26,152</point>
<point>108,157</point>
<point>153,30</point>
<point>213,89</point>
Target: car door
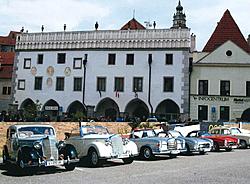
<point>12,143</point>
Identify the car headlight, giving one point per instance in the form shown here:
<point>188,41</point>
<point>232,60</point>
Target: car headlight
<point>125,141</point>
<point>61,144</point>
<point>37,145</point>
<point>108,142</point>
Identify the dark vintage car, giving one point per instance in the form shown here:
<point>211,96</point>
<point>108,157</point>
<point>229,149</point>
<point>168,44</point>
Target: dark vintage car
<point>220,141</point>
<point>36,146</point>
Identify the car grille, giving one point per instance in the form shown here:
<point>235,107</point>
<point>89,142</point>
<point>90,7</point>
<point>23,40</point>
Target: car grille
<point>117,145</point>
<point>205,145</point>
<point>50,150</point>
<point>172,145</point>
<point>231,143</point>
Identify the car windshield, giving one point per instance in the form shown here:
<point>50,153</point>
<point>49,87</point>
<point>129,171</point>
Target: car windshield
<point>175,134</point>
<point>144,133</point>
<point>235,131</point>
<point>33,131</point>
<point>94,130</point>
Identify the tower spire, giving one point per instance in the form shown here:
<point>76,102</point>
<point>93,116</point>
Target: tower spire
<point>179,17</point>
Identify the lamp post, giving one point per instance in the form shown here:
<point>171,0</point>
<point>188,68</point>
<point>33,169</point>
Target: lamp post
<point>85,60</point>
<point>149,83</point>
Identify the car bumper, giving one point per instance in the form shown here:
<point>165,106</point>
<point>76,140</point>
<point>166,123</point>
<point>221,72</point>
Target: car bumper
<point>166,152</point>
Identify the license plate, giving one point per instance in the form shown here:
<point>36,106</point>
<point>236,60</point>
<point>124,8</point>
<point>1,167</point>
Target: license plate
<point>175,152</point>
<point>53,163</point>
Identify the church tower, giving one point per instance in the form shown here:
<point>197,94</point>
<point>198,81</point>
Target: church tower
<point>179,18</point>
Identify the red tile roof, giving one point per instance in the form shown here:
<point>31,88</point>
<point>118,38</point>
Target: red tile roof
<point>7,57</point>
<point>8,40</point>
<point>133,24</point>
<point>227,29</point>
<point>6,72</point>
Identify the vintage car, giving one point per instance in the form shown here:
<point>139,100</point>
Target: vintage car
<point>150,145</point>
<point>96,145</point>
<point>234,132</point>
<point>220,141</point>
<point>193,144</point>
<point>37,146</point>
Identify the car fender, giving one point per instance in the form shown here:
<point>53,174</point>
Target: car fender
<point>132,147</point>
<point>102,150</point>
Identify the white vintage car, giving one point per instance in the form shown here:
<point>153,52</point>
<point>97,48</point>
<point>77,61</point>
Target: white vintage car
<point>97,145</point>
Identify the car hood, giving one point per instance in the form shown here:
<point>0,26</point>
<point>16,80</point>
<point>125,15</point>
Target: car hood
<point>29,141</point>
<point>222,137</point>
<point>97,136</point>
<point>197,140</point>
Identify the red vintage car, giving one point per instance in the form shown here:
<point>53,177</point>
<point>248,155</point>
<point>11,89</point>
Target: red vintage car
<point>220,141</point>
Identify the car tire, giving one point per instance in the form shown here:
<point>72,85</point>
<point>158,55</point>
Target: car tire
<point>202,152</point>
<point>229,149</point>
<point>128,160</point>
<point>216,147</point>
<point>188,152</point>
<point>93,158</point>
<point>172,156</point>
<point>243,144</point>
<point>70,167</point>
<point>146,153</point>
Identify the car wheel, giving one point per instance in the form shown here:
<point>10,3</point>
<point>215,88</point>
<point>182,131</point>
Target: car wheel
<point>93,158</point>
<point>243,144</point>
<point>146,153</point>
<point>70,167</point>
<point>128,160</point>
<point>229,149</point>
<point>216,147</point>
<point>202,152</point>
<point>172,155</point>
<point>188,152</point>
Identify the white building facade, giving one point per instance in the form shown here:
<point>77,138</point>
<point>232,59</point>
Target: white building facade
<point>105,73</point>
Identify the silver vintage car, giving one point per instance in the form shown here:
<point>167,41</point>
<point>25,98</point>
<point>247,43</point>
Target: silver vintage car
<point>150,145</point>
<point>193,144</point>
<point>96,145</point>
<point>36,146</point>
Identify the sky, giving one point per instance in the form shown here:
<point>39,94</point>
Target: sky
<point>81,15</point>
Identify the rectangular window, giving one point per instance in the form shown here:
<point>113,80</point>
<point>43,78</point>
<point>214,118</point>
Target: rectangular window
<point>77,63</point>
<point>111,59</point>
<point>21,84</point>
<point>248,88</point>
<point>224,113</point>
<point>61,57</point>
<point>202,112</point>
<point>168,85</point>
<point>101,84</point>
<point>78,84</point>
<point>38,83</point>
<point>59,83</point>
<point>27,63</point>
<point>203,87</point>
<point>4,91</point>
<point>225,88</point>
<point>130,59</point>
<point>119,84</point>
<point>137,84</point>
<point>40,59</point>
<point>9,91</point>
<point>169,59</point>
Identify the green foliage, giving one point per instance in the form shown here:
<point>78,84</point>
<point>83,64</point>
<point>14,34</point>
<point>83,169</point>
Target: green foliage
<point>30,112</point>
<point>78,116</point>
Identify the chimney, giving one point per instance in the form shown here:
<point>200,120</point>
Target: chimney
<point>193,43</point>
<point>248,40</point>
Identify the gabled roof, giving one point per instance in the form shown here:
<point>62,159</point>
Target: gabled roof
<point>133,24</point>
<point>227,29</point>
<point>8,40</point>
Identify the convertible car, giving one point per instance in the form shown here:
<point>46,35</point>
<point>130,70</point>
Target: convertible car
<point>234,132</point>
<point>150,145</point>
<point>220,141</point>
<point>97,145</point>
